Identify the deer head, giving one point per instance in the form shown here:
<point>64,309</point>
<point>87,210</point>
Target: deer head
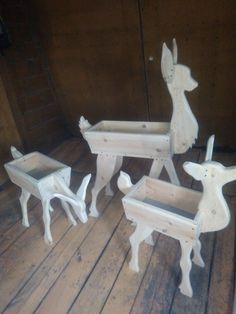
<point>213,210</point>
<point>76,200</point>
<point>177,76</point>
<point>184,127</point>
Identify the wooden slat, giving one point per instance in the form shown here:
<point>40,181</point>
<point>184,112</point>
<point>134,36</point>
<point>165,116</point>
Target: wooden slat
<point>220,299</point>
<point>127,284</point>
<point>105,273</point>
<point>27,253</point>
<point>72,279</point>
<point>30,296</point>
<point>199,280</point>
<point>161,278</point>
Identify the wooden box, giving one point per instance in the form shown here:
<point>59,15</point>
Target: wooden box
<point>33,170</point>
<point>128,138</point>
<point>167,208</point>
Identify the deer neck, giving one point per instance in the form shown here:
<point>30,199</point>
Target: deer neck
<point>184,127</point>
<point>213,211</point>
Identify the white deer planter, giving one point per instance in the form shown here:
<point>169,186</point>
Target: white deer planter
<point>112,140</point>
<point>180,213</point>
<point>46,178</point>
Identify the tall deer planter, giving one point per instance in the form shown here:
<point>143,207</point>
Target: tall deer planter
<point>180,213</point>
<point>46,178</point>
<point>111,140</point>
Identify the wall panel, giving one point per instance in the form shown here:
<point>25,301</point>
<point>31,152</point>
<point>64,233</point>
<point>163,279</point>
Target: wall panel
<point>206,37</point>
<point>95,57</point>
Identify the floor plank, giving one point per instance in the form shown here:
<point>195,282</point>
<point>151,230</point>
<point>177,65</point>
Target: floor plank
<point>105,272</point>
<point>29,297</point>
<point>221,287</point>
<point>72,279</point>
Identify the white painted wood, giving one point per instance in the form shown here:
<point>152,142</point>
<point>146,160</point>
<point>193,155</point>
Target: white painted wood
<point>153,140</point>
<point>46,178</point>
<point>178,212</point>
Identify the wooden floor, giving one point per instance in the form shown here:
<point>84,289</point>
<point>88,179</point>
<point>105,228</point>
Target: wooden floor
<point>86,269</point>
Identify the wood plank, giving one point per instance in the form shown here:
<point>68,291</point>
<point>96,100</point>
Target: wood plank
<point>31,294</point>
<point>220,299</point>
<point>127,284</point>
<point>199,280</point>
<point>160,279</point>
<point>105,272</point>
<point>27,253</point>
<point>72,279</point>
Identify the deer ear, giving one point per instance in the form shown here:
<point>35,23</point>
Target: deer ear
<point>174,51</point>
<point>210,145</point>
<point>167,66</point>
<point>15,153</point>
<point>81,193</point>
<point>194,170</point>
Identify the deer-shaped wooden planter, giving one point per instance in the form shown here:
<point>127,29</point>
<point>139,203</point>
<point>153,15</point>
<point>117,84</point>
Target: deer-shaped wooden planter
<point>46,178</point>
<point>112,140</point>
<point>178,212</point>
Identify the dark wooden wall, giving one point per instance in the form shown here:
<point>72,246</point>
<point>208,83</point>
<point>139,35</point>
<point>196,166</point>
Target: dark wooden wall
<point>99,53</point>
<point>27,81</point>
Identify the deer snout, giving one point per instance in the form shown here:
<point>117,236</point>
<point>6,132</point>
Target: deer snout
<point>192,85</point>
<point>83,216</point>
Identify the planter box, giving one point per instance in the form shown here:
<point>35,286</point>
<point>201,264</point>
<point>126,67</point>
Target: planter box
<point>34,170</point>
<point>128,138</point>
<point>167,208</point>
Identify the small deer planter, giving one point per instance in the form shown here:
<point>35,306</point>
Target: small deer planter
<point>178,212</point>
<point>111,140</point>
<point>46,178</point>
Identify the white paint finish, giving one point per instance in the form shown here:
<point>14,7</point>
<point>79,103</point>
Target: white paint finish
<point>46,178</point>
<point>178,212</point>
<point>153,140</point>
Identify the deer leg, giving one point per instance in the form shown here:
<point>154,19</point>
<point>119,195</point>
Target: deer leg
<point>197,258</point>
<point>186,265</point>
<point>47,220</point>
<point>66,208</point>
<point>141,232</point>
<point>119,161</point>
<point>149,240</point>
<point>25,195</point>
<point>156,167</point>
<point>171,171</point>
<point>105,169</point>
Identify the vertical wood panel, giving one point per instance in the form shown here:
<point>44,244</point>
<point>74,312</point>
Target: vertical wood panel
<point>8,131</point>
<point>95,56</point>
<point>205,33</point>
